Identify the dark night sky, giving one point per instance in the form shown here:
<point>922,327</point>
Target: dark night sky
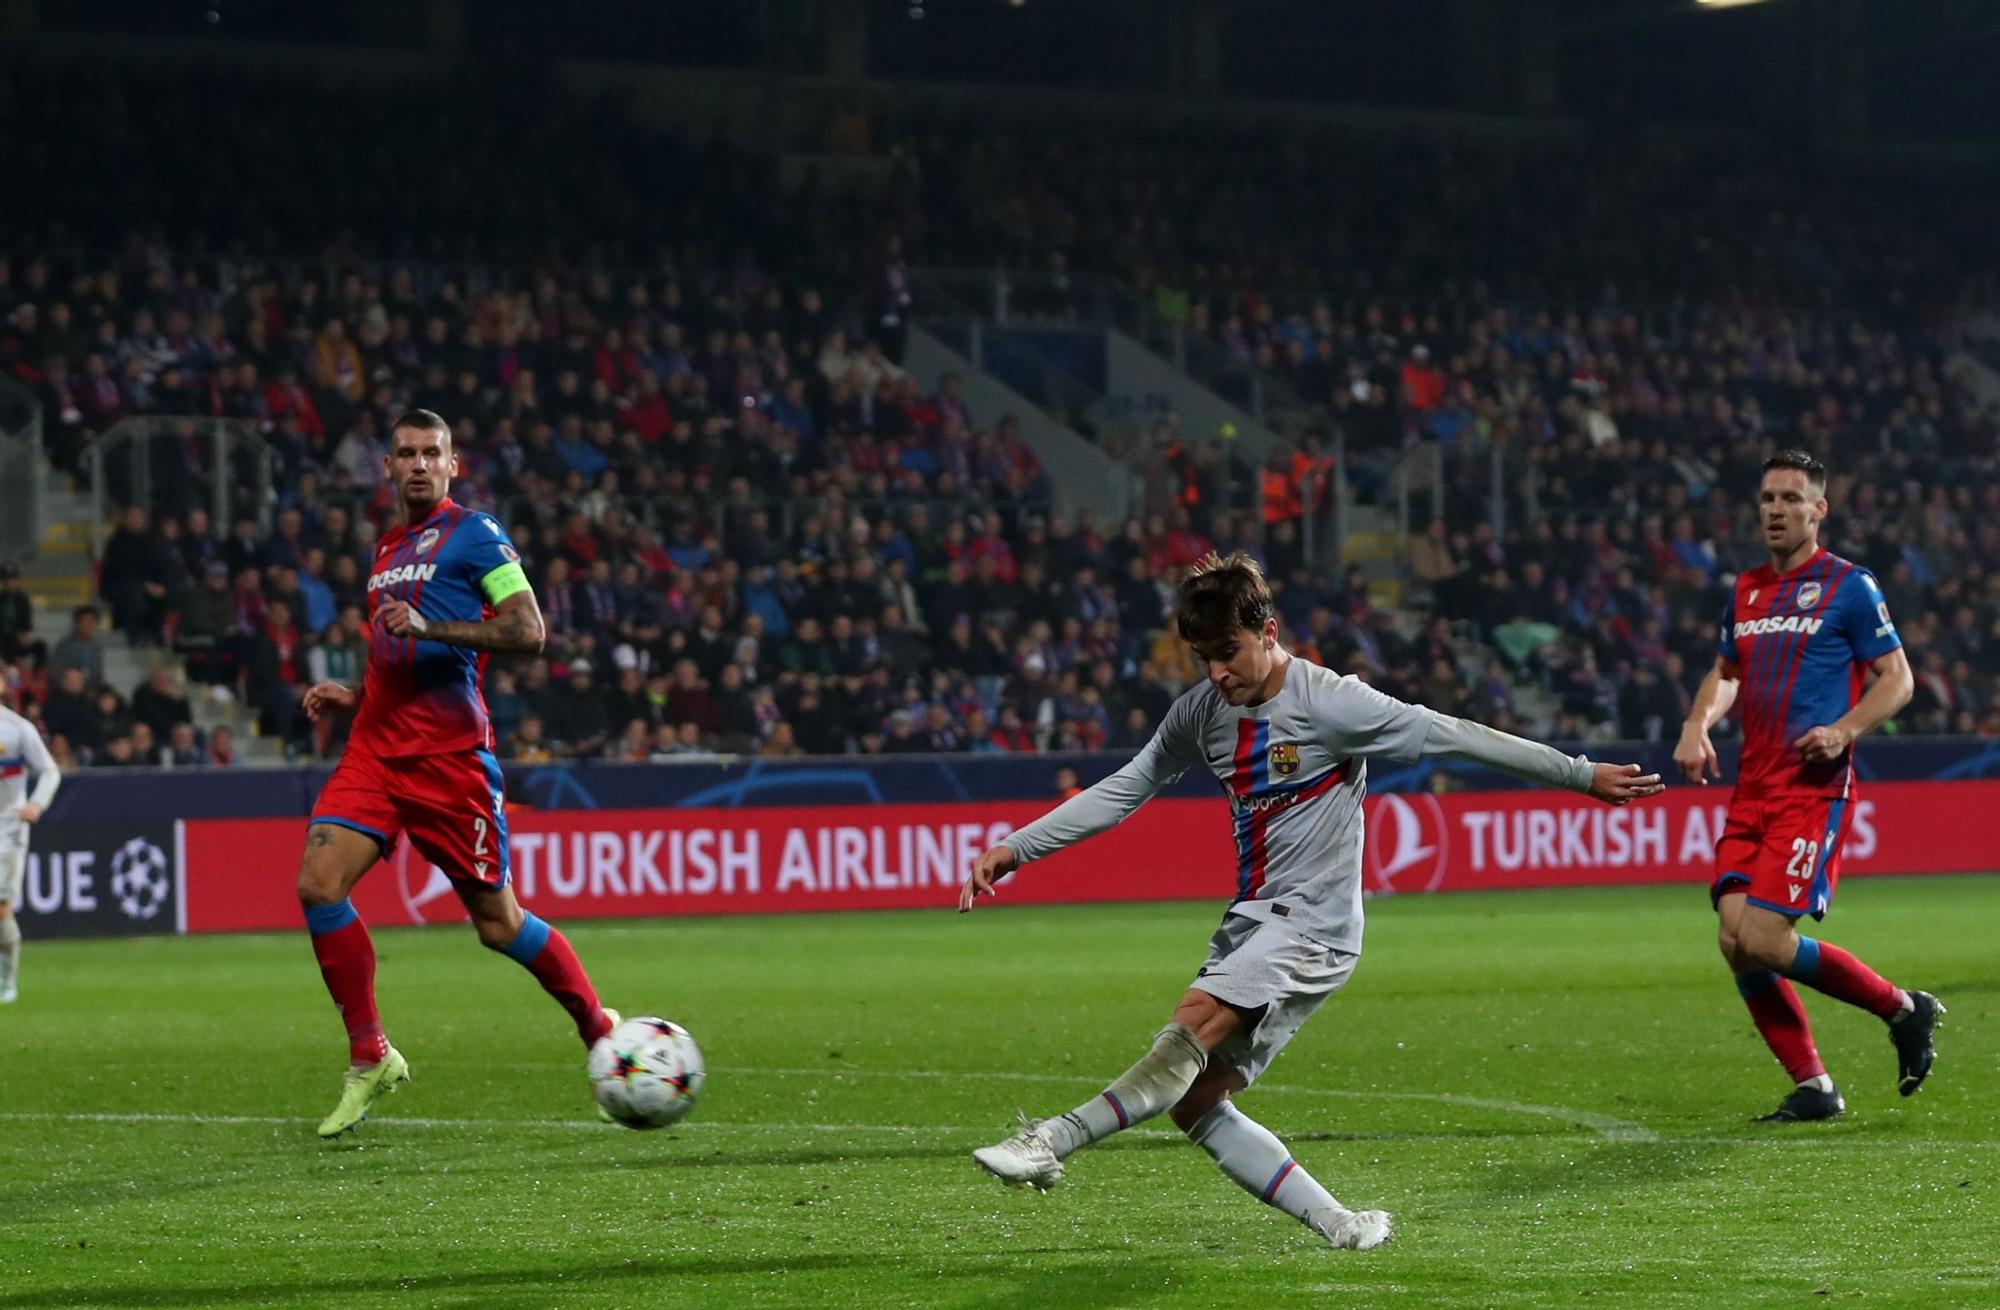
<point>1643,60</point>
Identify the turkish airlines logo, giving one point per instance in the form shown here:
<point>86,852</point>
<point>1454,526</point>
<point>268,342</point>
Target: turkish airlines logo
<point>1407,844</point>
<point>422,884</point>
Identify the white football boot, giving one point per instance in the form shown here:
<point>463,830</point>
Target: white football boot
<point>1023,1160</point>
<point>1353,1230</point>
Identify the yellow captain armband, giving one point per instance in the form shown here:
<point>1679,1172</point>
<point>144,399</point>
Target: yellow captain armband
<point>507,580</point>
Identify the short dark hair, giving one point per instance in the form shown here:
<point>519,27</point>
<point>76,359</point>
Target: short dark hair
<point>1221,600</point>
<point>1802,461</point>
<point>423,420</point>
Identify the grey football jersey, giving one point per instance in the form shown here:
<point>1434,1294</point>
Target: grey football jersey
<point>1294,770</point>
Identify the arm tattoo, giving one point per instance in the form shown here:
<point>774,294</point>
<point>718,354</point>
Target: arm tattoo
<point>321,835</point>
<point>516,629</point>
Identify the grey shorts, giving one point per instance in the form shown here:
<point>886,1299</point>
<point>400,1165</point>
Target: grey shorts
<point>1277,975</point>
<point>13,859</point>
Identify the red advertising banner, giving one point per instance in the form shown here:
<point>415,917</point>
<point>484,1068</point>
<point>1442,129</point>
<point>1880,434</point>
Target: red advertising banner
<point>611,863</point>
<point>590,863</point>
<point>1478,841</point>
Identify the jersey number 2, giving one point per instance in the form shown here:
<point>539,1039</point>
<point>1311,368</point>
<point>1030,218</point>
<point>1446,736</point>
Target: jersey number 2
<point>478,835</point>
<point>1804,855</point>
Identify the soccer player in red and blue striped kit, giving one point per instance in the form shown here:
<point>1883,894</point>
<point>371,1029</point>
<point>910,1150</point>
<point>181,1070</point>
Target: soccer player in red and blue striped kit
<point>1800,638</point>
<point>446,593</point>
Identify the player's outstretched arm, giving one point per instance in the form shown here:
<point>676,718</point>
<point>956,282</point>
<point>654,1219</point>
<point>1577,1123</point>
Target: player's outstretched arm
<point>1461,739</point>
<point>1695,755</point>
<point>1085,814</point>
<point>1360,722</point>
<point>516,627</point>
<point>1162,759</point>
<point>1893,686</point>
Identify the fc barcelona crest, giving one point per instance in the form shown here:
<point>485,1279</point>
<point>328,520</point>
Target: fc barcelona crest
<point>1284,759</point>
<point>429,539</point>
<point>1809,595</point>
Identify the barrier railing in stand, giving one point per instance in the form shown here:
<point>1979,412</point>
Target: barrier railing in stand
<point>158,463</point>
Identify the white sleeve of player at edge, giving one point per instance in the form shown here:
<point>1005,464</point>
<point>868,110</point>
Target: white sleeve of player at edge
<point>21,744</point>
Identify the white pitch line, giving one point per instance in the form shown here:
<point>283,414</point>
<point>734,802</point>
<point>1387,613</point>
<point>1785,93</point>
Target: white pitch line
<point>701,1126</point>
<point>1604,1125</point>
<point>419,1121</point>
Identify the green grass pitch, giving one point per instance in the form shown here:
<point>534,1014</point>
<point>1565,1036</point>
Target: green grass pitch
<point>1551,1091</point>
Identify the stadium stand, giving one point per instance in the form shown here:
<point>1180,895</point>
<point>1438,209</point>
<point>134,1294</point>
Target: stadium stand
<point>1635,357</point>
<point>752,531</point>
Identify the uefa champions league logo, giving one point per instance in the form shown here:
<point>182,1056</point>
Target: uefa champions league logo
<point>139,879</point>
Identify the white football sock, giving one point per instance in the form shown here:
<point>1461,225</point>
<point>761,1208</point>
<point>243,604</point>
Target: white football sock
<point>10,950</point>
<point>1144,1090</point>
<point>1819,1083</point>
<point>1259,1163</point>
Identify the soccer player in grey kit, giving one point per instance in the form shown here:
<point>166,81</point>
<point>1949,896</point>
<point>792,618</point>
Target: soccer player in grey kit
<point>1289,741</point>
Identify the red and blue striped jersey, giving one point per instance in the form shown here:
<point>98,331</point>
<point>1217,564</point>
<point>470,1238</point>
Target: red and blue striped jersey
<point>1802,642</point>
<point>424,697</point>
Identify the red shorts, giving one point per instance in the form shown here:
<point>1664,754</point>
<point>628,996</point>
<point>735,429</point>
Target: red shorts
<point>1783,852</point>
<point>451,806</point>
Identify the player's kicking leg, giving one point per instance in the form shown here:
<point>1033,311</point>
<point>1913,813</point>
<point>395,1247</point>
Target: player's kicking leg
<point>1033,1156</point>
<point>336,856</point>
<point>1212,1048</point>
<point>1252,1157</point>
<point>1177,1076</point>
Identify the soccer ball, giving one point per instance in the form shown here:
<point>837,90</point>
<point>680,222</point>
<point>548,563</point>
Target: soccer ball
<point>646,1073</point>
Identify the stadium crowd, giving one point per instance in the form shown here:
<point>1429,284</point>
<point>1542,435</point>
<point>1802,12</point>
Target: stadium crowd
<point>750,530</point>
<point>1632,324</point>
